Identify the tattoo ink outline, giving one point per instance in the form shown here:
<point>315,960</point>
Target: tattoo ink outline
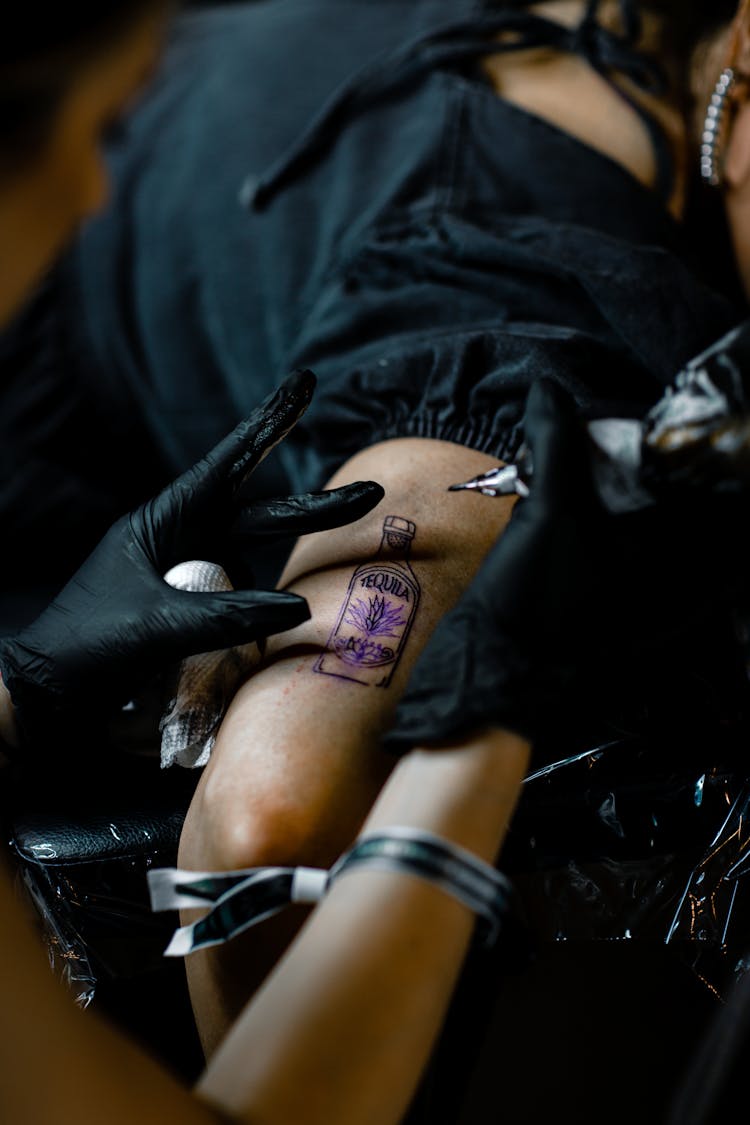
<point>380,605</point>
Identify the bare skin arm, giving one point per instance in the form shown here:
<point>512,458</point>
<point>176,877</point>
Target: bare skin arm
<point>381,954</point>
<point>367,980</point>
<point>61,1066</point>
<point>297,765</point>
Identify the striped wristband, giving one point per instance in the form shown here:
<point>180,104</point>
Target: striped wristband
<point>456,871</point>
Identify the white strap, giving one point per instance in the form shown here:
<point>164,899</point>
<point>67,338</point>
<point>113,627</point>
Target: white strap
<point>309,884</point>
<point>173,889</point>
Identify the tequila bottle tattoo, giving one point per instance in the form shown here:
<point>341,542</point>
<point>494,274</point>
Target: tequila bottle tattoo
<point>377,614</point>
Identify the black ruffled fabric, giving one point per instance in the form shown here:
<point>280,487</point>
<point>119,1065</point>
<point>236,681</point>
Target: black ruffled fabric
<point>425,247</point>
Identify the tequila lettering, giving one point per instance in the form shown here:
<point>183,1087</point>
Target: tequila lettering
<point>377,614</point>
<point>388,583</point>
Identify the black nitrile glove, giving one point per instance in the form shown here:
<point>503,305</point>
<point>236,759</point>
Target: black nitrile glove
<point>507,648</point>
<point>117,624</point>
<point>571,610</point>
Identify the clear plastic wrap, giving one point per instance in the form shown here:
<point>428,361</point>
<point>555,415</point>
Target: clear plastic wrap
<point>628,842</point>
<point>67,951</point>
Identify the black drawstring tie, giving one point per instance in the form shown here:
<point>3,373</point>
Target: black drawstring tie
<point>459,42</point>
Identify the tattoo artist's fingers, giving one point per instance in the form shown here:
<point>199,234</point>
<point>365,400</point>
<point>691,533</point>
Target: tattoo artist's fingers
<point>558,444</point>
<point>313,511</point>
<point>173,523</point>
<point>214,621</point>
<point>252,440</point>
<point>269,424</point>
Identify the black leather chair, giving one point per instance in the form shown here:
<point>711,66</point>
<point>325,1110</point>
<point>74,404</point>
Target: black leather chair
<point>82,837</point>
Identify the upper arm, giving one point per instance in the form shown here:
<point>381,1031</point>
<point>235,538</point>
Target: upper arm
<point>297,762</point>
<point>452,533</point>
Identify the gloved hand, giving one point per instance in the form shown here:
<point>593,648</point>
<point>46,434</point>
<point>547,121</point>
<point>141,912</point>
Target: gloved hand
<point>116,624</point>
<point>570,597</point>
<point>503,653</point>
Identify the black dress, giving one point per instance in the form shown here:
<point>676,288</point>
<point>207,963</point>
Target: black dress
<point>331,184</point>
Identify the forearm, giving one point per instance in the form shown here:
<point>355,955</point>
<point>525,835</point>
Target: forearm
<point>62,1066</point>
<point>342,1029</point>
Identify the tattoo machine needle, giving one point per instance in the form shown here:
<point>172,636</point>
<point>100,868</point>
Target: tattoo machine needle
<point>505,480</point>
<point>696,435</point>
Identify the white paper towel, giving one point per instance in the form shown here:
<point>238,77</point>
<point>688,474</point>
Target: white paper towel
<point>206,683</point>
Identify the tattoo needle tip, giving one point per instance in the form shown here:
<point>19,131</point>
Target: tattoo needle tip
<point>502,481</point>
